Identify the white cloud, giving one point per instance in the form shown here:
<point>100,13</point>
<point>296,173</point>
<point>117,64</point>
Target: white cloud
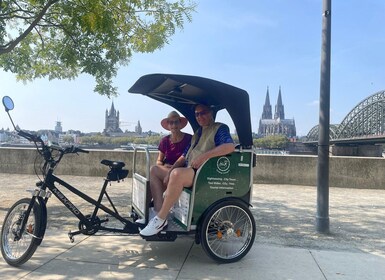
<point>313,103</point>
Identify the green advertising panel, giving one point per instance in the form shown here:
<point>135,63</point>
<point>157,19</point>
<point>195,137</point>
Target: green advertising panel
<point>221,177</point>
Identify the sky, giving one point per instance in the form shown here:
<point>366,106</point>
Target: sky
<point>248,44</point>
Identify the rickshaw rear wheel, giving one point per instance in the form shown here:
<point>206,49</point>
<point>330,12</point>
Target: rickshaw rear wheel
<point>228,231</point>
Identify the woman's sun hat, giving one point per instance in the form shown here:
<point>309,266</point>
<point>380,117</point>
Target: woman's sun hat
<point>173,115</point>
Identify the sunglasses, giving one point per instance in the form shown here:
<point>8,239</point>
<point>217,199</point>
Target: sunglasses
<point>176,122</point>
<point>201,113</point>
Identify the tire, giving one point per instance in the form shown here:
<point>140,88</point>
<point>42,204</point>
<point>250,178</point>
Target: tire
<point>228,231</point>
<point>17,252</point>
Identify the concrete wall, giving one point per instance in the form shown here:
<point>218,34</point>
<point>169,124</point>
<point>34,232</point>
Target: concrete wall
<point>353,172</point>
<point>344,172</point>
<point>21,161</point>
<point>279,169</point>
<point>357,150</point>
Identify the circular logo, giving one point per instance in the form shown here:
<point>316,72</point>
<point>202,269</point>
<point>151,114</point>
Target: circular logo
<point>223,165</point>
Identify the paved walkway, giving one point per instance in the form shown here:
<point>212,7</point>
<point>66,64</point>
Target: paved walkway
<point>286,247</point>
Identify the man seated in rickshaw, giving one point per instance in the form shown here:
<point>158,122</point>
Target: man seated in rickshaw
<point>210,140</point>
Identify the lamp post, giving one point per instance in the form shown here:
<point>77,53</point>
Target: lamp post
<point>322,218</point>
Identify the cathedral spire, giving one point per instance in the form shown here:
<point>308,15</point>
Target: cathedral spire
<point>279,109</point>
<point>112,110</point>
<point>267,99</point>
<point>279,102</point>
<point>267,114</point>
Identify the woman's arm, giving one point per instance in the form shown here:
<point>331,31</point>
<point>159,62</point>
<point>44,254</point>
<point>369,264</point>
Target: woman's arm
<point>160,159</point>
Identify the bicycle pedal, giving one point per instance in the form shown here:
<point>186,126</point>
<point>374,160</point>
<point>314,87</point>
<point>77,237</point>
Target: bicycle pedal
<point>71,237</point>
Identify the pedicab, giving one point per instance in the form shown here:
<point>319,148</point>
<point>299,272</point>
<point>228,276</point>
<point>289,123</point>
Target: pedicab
<point>216,208</point>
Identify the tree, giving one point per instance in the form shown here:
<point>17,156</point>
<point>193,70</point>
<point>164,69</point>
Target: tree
<point>61,39</point>
<point>272,142</point>
<point>68,139</point>
<point>154,140</point>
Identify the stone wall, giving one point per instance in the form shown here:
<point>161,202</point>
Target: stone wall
<point>344,172</point>
<point>353,172</point>
<point>357,150</point>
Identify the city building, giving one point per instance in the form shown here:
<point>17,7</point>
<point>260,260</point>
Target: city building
<point>4,135</point>
<point>58,127</point>
<point>277,125</point>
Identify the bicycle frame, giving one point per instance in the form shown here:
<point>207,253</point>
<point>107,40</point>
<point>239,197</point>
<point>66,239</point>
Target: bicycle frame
<point>92,223</point>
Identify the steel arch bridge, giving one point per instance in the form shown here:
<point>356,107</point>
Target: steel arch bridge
<point>367,119</point>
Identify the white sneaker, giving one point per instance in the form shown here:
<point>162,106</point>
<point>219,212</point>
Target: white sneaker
<point>141,221</point>
<point>154,226</point>
<point>151,214</point>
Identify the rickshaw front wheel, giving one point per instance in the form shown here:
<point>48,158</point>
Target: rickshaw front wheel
<point>228,231</point>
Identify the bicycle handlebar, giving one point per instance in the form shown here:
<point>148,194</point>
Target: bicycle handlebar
<point>31,137</point>
<point>74,150</point>
<point>46,149</point>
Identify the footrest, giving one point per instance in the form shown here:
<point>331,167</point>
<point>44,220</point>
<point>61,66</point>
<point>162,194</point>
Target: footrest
<point>131,228</point>
<point>161,236</point>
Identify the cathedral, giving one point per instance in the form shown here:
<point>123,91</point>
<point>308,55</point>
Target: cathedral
<point>112,121</point>
<point>277,125</point>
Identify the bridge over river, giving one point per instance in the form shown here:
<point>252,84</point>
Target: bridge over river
<point>360,131</point>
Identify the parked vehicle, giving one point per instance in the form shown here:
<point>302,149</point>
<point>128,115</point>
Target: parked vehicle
<point>215,209</point>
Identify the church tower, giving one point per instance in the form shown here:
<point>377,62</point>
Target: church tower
<point>112,120</point>
<point>279,125</point>
<point>138,128</point>
<point>58,127</point>
<point>267,114</point>
<point>279,109</point>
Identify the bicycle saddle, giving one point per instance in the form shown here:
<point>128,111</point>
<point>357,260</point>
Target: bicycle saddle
<point>113,164</point>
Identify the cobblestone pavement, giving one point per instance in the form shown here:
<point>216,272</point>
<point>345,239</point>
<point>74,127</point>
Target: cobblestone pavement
<point>284,214</point>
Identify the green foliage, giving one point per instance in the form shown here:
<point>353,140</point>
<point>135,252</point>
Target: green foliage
<point>154,140</point>
<point>90,140</point>
<point>117,141</point>
<point>271,142</point>
<point>62,39</point>
<point>68,139</point>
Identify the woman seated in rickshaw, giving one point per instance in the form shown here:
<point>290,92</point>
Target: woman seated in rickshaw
<point>210,140</point>
<point>171,147</point>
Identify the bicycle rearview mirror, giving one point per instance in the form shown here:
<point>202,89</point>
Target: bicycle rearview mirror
<point>8,103</point>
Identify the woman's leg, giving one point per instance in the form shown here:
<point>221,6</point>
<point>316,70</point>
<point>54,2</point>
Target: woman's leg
<point>179,178</point>
<point>157,174</point>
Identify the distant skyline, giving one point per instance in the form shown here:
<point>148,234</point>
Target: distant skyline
<point>249,44</point>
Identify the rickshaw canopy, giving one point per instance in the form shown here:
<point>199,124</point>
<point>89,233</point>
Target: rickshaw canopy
<point>183,92</point>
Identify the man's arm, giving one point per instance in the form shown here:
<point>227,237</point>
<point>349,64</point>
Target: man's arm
<point>220,150</point>
<point>224,145</point>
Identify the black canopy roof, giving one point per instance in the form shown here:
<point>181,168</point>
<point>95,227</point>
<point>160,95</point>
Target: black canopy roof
<point>183,92</point>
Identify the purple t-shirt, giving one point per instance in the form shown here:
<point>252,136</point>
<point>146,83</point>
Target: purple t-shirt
<point>173,151</point>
